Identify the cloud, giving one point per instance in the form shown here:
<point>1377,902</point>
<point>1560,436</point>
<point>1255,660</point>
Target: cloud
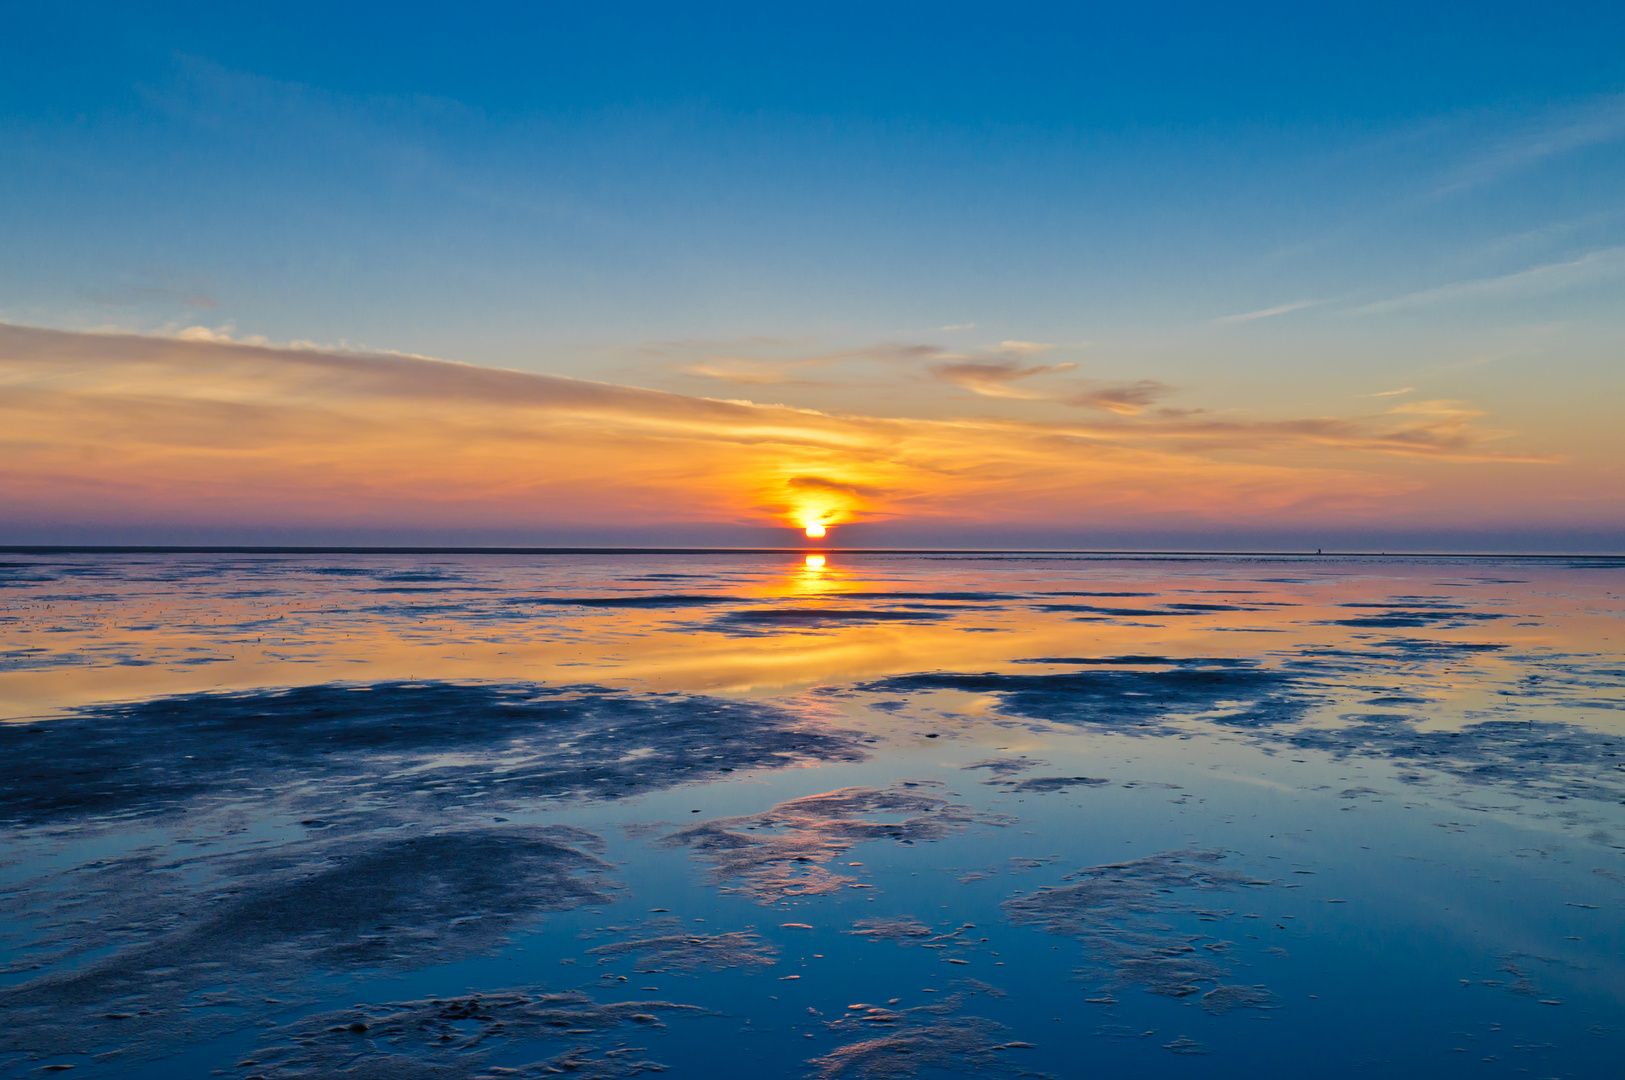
<point>117,430</point>
<point>1442,430</point>
<point>220,335</point>
<point>822,499</point>
<point>959,326</point>
<point>1537,281</point>
<point>886,352</point>
<point>1560,131</point>
<point>993,378</point>
<point>993,371</point>
<point>1127,399</point>
<point>1546,235</point>
<point>1267,313</point>
<point>751,371</point>
<point>1394,393</point>
<point>989,372</point>
<point>1024,348</point>
<point>825,484</point>
<point>739,372</point>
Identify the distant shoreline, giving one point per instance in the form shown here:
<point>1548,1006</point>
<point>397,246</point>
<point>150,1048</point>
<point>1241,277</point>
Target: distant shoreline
<point>275,549</point>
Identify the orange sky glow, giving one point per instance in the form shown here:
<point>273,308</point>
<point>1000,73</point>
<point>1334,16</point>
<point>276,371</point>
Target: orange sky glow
<point>113,430</point>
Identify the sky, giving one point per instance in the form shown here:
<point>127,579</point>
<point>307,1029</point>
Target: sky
<point>1259,276</point>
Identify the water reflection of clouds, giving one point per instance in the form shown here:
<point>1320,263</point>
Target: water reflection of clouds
<point>368,785</point>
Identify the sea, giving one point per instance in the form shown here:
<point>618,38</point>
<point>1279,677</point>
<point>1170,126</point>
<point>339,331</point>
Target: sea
<point>834,814</point>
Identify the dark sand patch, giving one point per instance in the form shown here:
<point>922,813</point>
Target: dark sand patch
<point>1542,759</point>
<point>1223,999</point>
<point>1100,609</point>
<point>907,1042</point>
<point>1118,911</point>
<point>694,952</point>
<point>444,740</point>
<point>459,1038</point>
<point>905,928</point>
<point>1054,783</point>
<point>1403,619</point>
<point>671,600</point>
<point>774,620</point>
<point>1100,661</point>
<point>1238,697</point>
<point>780,853</point>
<point>383,852</point>
<point>1002,767</point>
<point>267,922</point>
<point>1534,757</point>
<point>967,1044</point>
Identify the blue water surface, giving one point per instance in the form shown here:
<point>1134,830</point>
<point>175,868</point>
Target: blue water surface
<point>853,815</point>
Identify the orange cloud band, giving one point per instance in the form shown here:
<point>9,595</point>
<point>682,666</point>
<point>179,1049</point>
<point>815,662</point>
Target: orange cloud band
<point>119,429</point>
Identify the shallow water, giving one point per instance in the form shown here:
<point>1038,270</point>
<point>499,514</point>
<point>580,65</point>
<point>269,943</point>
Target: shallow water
<point>883,816</point>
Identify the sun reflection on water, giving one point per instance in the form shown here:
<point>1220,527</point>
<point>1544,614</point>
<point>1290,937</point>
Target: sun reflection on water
<point>774,624</point>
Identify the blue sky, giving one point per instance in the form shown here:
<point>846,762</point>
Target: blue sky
<point>496,178</point>
<point>1278,208</point>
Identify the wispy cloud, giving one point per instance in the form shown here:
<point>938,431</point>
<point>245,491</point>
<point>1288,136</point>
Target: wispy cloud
<point>1443,430</point>
<point>1560,131</point>
<point>771,370</point>
<point>994,378</point>
<point>1125,399</point>
<point>1546,236</point>
<point>225,334</point>
<point>1591,267</point>
<point>1266,313</point>
<point>1393,393</point>
<point>740,372</point>
<point>1025,348</point>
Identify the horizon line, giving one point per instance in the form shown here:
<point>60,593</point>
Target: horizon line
<point>392,549</point>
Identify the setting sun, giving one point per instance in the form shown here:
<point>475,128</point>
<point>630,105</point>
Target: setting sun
<point>816,531</point>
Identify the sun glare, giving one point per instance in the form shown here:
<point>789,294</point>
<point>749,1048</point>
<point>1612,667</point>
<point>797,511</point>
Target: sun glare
<point>815,562</point>
<point>815,530</point>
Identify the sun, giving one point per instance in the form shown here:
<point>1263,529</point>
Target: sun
<point>815,531</point>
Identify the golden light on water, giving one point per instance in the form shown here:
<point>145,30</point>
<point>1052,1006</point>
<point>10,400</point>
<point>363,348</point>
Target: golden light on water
<point>312,621</point>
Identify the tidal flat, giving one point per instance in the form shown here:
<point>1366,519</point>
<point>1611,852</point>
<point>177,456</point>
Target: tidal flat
<point>849,815</point>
